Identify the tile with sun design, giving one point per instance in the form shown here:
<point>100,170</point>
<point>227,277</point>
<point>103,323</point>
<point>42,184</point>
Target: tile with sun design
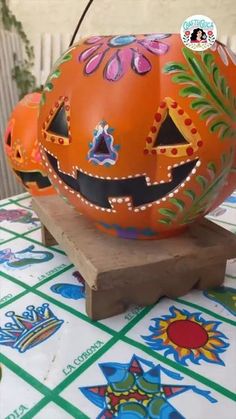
<point>221,300</point>
<point>8,290</point>
<point>47,341</point>
<point>5,236</point>
<point>17,396</point>
<point>17,219</point>
<point>30,262</point>
<point>190,338</point>
<point>126,382</point>
<point>52,411</point>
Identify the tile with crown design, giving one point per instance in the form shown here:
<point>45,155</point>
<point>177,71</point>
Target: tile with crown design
<point>48,342</point>
<point>17,396</point>
<point>17,219</point>
<point>126,380</point>
<point>8,290</point>
<point>30,262</point>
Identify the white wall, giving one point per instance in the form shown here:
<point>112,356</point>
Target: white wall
<point>120,16</point>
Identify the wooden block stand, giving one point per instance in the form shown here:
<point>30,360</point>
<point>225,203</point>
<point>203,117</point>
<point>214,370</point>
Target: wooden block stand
<point>119,272</point>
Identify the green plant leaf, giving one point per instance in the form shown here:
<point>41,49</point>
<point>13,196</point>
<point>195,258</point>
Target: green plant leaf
<point>208,59</point>
<point>178,202</point>
<point>191,194</point>
<point>173,67</point>
<point>217,125</point>
<point>191,91</point>
<point>167,212</point>
<point>202,181</point>
<point>48,87</point>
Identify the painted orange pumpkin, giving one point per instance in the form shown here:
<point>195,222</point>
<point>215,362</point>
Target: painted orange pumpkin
<point>139,131</point>
<point>22,148</point>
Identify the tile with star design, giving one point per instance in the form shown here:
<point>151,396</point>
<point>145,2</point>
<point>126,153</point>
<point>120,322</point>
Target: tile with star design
<point>17,396</point>
<point>190,338</point>
<point>47,341</point>
<point>30,262</point>
<point>17,219</point>
<point>126,379</point>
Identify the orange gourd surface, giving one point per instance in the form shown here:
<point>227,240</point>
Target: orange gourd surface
<point>139,131</point>
<point>22,148</point>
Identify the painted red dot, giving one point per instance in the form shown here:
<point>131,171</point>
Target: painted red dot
<point>153,129</point>
<point>61,141</point>
<point>180,111</point>
<point>187,334</point>
<point>145,151</point>
<point>174,105</point>
<point>174,151</point>
<point>53,139</point>
<point>67,108</point>
<point>68,118</point>
<point>158,117</point>
<point>154,151</point>
<point>163,150</point>
<point>66,99</point>
<point>193,130</point>
<point>57,104</point>
<point>45,135</point>
<point>200,143</point>
<point>149,140</point>
<point>162,105</point>
<point>51,112</point>
<point>188,121</point>
<point>189,151</point>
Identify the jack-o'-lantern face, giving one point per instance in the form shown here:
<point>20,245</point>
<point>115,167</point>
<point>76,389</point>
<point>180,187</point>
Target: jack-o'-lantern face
<point>22,149</point>
<point>139,132</point>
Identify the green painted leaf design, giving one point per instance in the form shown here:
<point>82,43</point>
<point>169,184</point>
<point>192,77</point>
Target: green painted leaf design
<point>173,67</point>
<point>66,58</point>
<point>191,91</point>
<point>208,60</point>
<point>200,103</point>
<point>217,125</point>
<point>211,166</point>
<point>191,194</point>
<point>167,212</point>
<point>208,113</point>
<point>183,78</point>
<point>43,99</point>
<point>178,202</point>
<point>48,87</point>
<point>55,74</point>
<point>165,221</point>
<point>202,181</point>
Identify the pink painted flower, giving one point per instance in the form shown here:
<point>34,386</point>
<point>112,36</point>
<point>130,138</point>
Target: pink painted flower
<point>187,33</point>
<point>129,51</point>
<point>210,32</point>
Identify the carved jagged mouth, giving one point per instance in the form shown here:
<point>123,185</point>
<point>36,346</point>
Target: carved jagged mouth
<point>36,177</point>
<point>98,191</point>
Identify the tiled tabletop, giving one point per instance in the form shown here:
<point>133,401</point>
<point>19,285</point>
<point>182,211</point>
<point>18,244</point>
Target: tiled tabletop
<point>173,360</point>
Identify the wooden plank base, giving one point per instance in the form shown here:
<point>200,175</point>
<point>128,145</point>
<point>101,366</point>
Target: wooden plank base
<point>119,272</point>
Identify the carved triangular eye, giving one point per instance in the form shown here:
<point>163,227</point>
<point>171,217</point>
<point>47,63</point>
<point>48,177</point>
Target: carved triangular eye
<point>8,140</point>
<point>59,124</point>
<point>169,134</point>
<point>101,147</point>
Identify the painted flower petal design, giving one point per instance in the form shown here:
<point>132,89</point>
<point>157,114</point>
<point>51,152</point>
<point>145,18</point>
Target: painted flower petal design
<point>94,62</point>
<point>158,36</point>
<point>93,39</point>
<point>113,70</point>
<point>140,64</point>
<point>154,46</point>
<point>88,52</point>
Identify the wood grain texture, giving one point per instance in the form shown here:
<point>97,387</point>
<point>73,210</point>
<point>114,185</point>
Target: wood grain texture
<point>119,272</point>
